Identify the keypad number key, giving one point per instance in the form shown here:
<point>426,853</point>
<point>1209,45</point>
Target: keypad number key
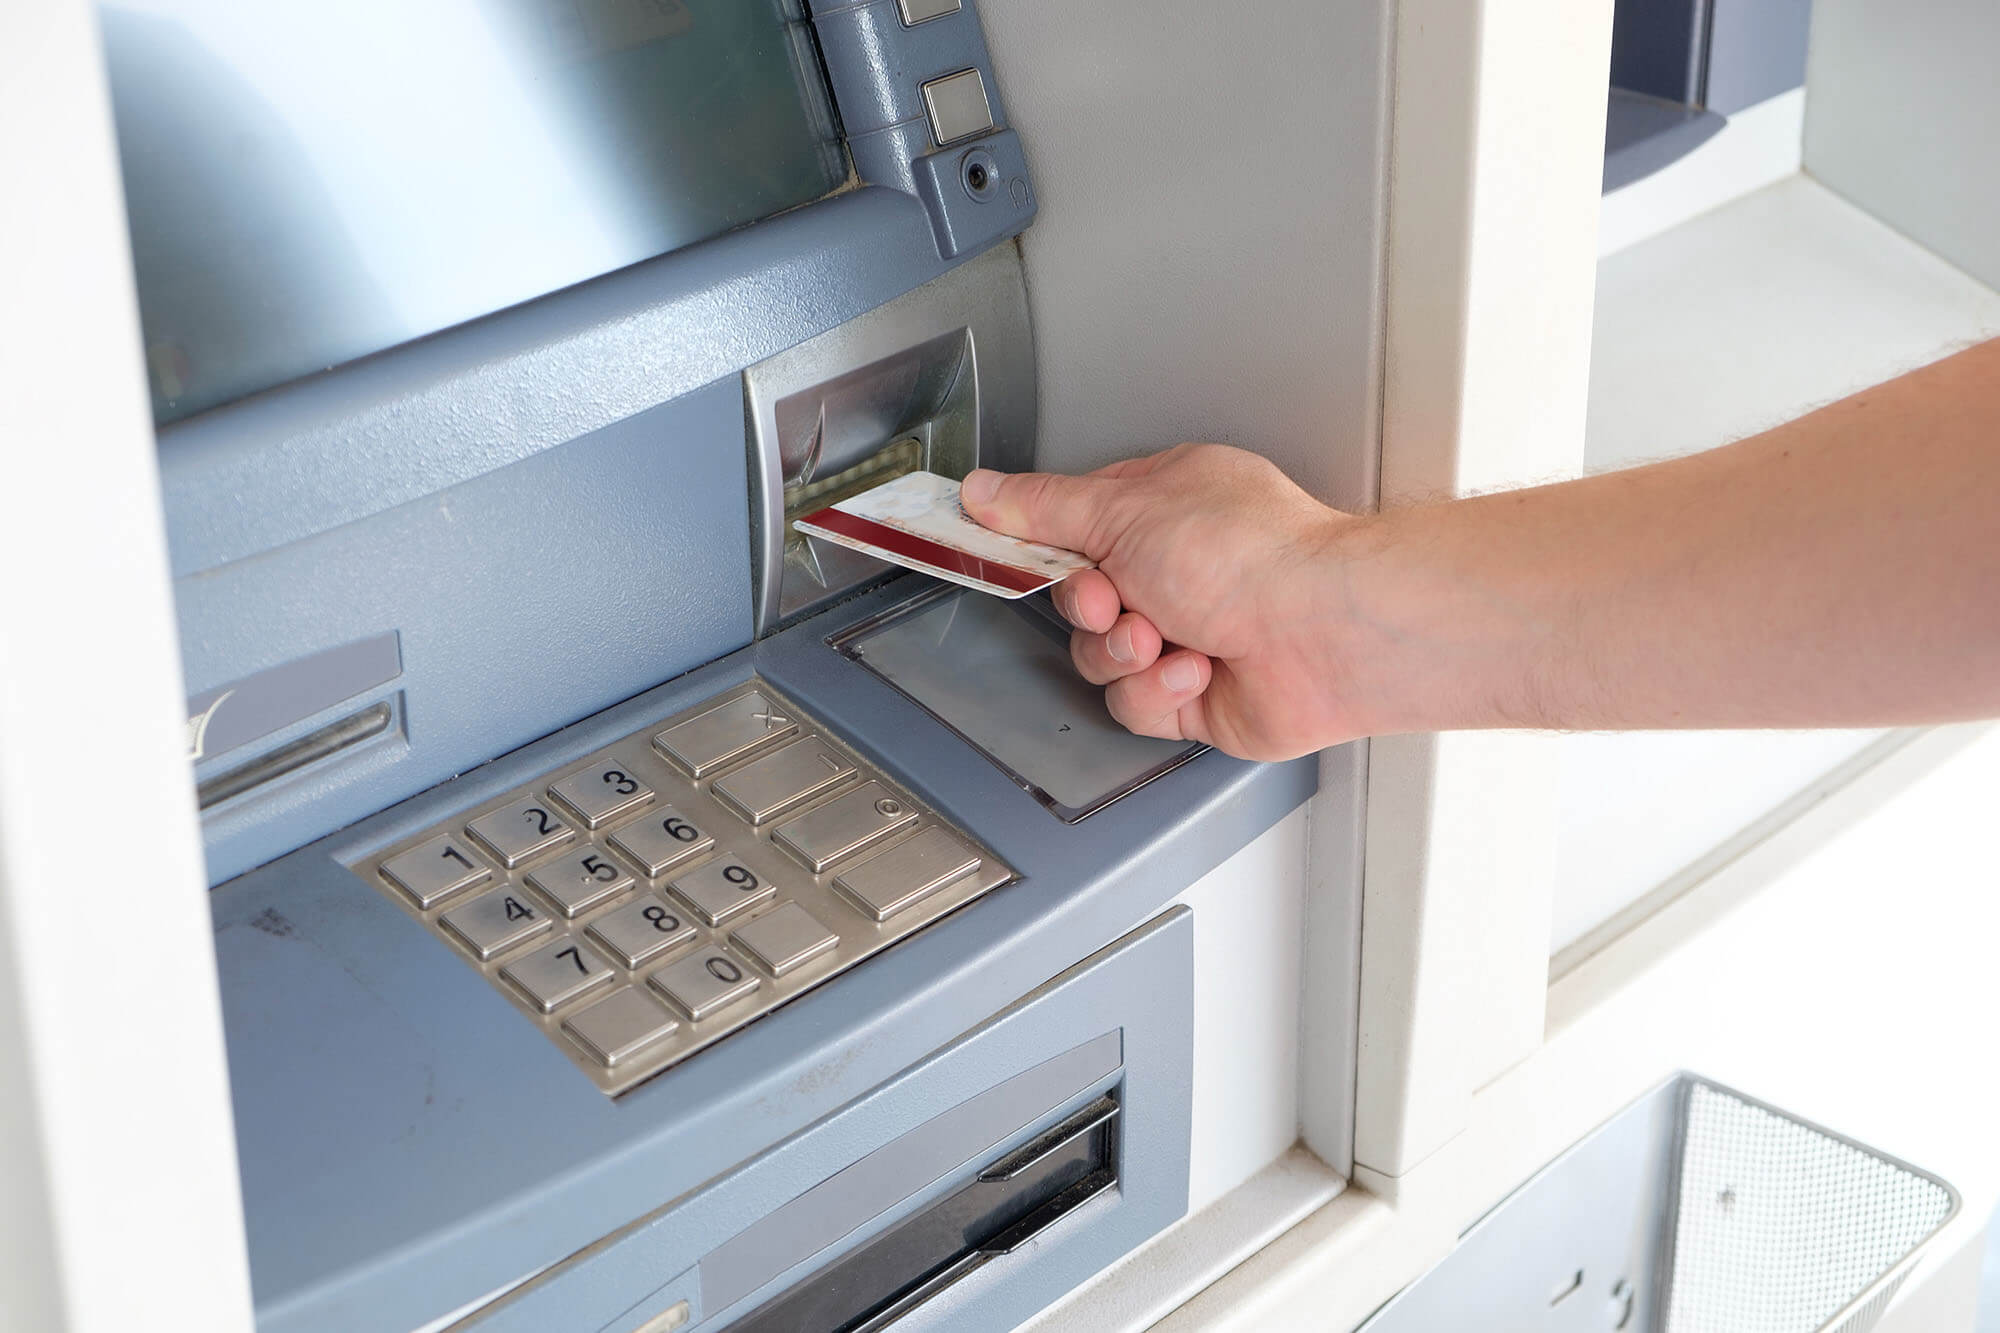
<point>434,870</point>
<point>495,922</point>
<point>558,973</point>
<point>662,840</point>
<point>601,794</point>
<point>724,889</point>
<point>581,880</point>
<point>705,981</point>
<point>521,831</point>
<point>641,931</point>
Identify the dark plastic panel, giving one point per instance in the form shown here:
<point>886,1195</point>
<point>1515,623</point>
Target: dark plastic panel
<point>1756,50</point>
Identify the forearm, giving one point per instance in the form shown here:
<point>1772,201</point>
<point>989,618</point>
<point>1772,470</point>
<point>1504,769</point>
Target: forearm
<point>1843,569</point>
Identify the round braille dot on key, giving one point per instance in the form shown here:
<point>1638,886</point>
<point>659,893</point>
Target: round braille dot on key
<point>889,806</point>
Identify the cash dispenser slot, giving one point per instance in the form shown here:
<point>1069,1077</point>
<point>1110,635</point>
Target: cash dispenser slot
<point>1061,1120</point>
<point>1007,1204</point>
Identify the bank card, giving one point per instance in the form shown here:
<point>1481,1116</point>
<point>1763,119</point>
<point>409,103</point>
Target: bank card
<point>916,521</point>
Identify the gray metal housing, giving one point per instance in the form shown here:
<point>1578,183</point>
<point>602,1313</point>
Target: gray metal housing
<point>1119,1023</point>
<point>547,505</point>
<point>408,1144</point>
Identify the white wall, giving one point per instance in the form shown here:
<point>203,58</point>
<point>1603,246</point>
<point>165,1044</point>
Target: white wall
<point>118,1197</point>
<point>1749,315</point>
<point>1248,928</point>
<point>1205,261</point>
<point>1206,265</point>
<point>1495,172</point>
<point>1904,116</point>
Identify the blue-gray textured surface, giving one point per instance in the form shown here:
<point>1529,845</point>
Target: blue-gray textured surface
<point>550,503</point>
<point>408,1143</point>
<point>526,598</point>
<point>388,429</point>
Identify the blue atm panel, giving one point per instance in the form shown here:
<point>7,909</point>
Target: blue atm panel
<point>555,998</point>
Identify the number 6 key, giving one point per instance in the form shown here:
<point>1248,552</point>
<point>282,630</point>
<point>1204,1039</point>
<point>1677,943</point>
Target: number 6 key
<point>662,840</point>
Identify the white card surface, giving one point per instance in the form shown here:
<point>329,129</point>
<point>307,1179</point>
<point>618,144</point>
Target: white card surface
<point>917,521</point>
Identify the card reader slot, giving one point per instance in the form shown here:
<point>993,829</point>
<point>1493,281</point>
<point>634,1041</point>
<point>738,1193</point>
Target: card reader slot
<point>1008,1203</point>
<point>327,741</point>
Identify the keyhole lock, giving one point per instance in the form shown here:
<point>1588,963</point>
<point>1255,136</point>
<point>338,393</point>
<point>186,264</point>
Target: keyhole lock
<point>979,173</point>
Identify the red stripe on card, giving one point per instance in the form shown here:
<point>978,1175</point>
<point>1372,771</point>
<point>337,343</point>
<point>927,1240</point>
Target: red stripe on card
<point>909,546</point>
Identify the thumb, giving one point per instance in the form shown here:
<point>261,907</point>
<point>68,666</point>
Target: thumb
<point>1071,512</point>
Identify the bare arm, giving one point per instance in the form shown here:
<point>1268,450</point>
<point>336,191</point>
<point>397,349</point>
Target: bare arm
<point>1840,570</point>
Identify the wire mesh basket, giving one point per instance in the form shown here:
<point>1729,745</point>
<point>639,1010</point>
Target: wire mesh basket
<point>1695,1210</point>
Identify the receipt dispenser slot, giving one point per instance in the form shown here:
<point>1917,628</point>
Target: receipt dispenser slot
<point>1009,1203</point>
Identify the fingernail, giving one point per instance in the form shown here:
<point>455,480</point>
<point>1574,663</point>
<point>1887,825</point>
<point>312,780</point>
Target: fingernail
<point>1181,675</point>
<point>1119,643</point>
<point>980,486</point>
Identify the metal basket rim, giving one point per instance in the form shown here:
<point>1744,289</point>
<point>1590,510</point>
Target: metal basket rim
<point>1684,1080</point>
<point>1895,1272</point>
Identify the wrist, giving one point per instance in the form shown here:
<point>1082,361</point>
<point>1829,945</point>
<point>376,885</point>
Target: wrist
<point>1423,624</point>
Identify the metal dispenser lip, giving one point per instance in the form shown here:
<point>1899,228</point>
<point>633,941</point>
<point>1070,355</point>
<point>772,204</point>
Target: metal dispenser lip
<point>950,365</point>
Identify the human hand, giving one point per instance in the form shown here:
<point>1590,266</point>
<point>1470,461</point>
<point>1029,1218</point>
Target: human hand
<point>1202,618</point>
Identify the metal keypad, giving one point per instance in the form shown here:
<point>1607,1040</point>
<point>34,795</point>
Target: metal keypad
<point>664,839</point>
<point>784,938</point>
<point>581,880</point>
<point>844,825</point>
<point>711,739</point>
<point>642,930</point>
<point>520,832</point>
<point>767,787</point>
<point>620,1026</point>
<point>601,793</point>
<point>705,982</point>
<point>724,888</point>
<point>691,876</point>
<point>434,870</point>
<point>907,873</point>
<point>559,973</point>
<point>495,922</point>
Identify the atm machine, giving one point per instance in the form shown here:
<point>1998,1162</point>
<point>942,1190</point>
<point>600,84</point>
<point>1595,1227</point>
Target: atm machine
<point>631,914</point>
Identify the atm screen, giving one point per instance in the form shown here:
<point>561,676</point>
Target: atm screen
<point>309,183</point>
